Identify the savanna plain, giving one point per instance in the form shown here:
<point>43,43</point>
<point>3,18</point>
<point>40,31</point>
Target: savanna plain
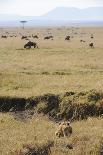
<point>62,80</point>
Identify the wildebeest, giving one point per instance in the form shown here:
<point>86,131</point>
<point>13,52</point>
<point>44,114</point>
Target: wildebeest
<point>91,45</point>
<point>30,44</point>
<point>13,36</point>
<point>35,36</point>
<point>3,36</point>
<point>67,38</point>
<point>48,37</point>
<point>64,130</point>
<point>92,36</point>
<point>82,41</point>
<point>24,37</point>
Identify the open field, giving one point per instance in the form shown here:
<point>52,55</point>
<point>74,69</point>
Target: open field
<point>70,73</point>
<point>86,139</point>
<point>57,66</point>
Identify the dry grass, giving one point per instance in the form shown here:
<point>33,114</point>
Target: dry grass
<point>85,139</point>
<point>56,67</point>
<point>37,131</point>
<point>15,134</point>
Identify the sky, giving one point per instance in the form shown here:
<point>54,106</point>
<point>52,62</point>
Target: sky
<point>40,7</point>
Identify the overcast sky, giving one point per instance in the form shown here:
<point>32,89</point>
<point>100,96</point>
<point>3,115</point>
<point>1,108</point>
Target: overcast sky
<point>40,7</point>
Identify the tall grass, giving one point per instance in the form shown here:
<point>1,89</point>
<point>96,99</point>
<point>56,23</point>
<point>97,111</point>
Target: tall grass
<point>39,132</point>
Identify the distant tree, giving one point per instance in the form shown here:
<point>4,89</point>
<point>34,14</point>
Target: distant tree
<point>23,23</point>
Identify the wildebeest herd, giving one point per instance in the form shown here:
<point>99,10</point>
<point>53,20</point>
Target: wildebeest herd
<point>33,44</point>
<point>29,44</point>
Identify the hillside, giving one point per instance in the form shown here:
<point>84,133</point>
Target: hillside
<point>66,13</point>
<point>59,16</point>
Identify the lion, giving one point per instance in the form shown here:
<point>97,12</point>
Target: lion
<point>64,130</point>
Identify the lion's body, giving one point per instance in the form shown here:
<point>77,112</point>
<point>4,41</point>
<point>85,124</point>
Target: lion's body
<point>64,130</point>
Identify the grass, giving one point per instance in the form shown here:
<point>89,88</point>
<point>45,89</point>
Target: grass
<point>39,130</point>
<point>58,66</point>
<point>42,71</point>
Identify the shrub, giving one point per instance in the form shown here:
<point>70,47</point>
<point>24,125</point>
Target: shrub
<point>42,107</point>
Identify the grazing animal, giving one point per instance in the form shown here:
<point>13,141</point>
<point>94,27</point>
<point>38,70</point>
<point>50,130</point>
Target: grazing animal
<point>3,36</point>
<point>67,38</point>
<point>51,37</point>
<point>91,45</point>
<point>35,36</point>
<point>82,41</point>
<point>24,37</point>
<point>64,130</point>
<point>92,36</point>
<point>30,44</point>
<point>48,37</point>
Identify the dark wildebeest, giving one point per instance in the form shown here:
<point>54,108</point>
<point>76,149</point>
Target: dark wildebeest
<point>3,36</point>
<point>12,36</point>
<point>30,44</point>
<point>67,38</point>
<point>92,36</point>
<point>35,36</point>
<point>24,37</point>
<point>82,41</point>
<point>91,45</point>
<point>51,37</point>
<point>48,37</point>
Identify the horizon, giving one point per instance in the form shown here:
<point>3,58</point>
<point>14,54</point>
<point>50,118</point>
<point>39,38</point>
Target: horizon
<point>41,7</point>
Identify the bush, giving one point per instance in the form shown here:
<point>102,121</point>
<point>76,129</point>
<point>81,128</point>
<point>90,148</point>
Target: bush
<point>66,107</point>
<point>94,96</point>
<point>42,107</point>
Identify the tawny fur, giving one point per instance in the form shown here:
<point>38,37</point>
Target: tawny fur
<point>64,130</point>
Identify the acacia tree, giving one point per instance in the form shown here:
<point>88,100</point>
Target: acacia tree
<point>23,23</point>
